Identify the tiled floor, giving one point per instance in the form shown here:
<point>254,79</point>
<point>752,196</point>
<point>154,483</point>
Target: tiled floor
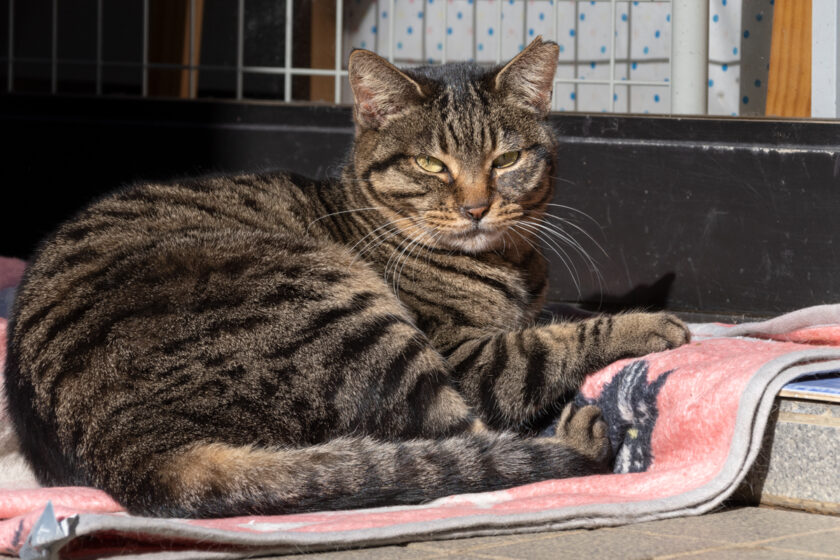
<point>738,534</point>
<point>742,533</point>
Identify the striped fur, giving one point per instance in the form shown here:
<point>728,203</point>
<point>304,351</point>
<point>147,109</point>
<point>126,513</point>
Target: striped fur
<point>265,343</point>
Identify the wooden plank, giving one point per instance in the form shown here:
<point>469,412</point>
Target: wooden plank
<point>322,45</point>
<point>789,81</point>
<point>169,31</point>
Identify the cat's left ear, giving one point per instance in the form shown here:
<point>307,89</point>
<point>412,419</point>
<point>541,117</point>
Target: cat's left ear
<point>380,90</point>
<point>527,80</point>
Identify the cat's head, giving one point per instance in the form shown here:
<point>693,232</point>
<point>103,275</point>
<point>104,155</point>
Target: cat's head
<point>458,155</point>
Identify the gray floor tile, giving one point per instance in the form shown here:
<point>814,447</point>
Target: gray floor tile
<point>378,553</point>
<point>473,544</point>
<point>601,543</point>
<point>740,525</point>
<point>824,543</point>
<point>747,553</point>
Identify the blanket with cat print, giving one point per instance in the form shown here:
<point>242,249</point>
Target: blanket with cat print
<point>685,424</point>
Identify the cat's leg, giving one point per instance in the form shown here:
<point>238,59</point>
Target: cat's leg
<point>513,378</point>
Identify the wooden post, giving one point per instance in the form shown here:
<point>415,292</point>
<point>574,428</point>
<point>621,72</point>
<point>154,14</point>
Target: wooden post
<point>322,49</point>
<point>169,32</point>
<point>789,81</point>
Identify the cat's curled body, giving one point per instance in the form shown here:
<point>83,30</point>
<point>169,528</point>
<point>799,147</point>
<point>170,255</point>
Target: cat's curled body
<point>235,345</point>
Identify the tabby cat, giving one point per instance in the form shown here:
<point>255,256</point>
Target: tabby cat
<point>265,343</point>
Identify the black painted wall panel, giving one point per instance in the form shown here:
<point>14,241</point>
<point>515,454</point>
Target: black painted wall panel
<point>722,216</point>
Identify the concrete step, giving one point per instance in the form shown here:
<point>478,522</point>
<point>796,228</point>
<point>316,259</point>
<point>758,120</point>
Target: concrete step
<point>799,463</point>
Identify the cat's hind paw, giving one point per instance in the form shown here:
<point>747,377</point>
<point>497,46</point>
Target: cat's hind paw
<point>585,431</point>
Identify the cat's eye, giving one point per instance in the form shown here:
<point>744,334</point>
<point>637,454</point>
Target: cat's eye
<point>506,160</point>
<point>430,164</point>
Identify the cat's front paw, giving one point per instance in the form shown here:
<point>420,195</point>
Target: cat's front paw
<point>637,334</point>
<point>585,431</point>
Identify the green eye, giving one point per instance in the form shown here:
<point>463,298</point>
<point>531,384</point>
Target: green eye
<point>506,160</point>
<point>430,164</point>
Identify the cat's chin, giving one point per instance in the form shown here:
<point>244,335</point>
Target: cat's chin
<point>475,242</point>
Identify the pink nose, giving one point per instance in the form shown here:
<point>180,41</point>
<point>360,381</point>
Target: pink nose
<point>476,211</point>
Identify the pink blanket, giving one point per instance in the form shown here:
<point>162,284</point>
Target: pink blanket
<point>686,425</point>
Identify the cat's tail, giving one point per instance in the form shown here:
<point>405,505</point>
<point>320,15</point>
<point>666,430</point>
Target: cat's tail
<point>218,480</point>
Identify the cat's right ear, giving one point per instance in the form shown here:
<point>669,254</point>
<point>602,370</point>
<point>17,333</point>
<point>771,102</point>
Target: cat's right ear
<point>381,91</point>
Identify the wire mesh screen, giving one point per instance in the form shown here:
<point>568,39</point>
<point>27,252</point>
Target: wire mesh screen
<point>614,54</point>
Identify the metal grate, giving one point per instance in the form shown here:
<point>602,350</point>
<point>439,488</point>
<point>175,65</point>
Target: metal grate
<point>572,75</point>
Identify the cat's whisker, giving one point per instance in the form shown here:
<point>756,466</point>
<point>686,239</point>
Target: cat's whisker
<point>403,255</point>
<point>554,246</point>
<point>381,237</point>
<point>372,244</point>
<point>373,232</point>
<point>580,229</point>
<point>514,245</point>
<point>395,254</point>
<point>564,236</point>
<point>418,242</point>
<point>524,238</point>
<point>563,179</point>
<point>574,244</point>
<point>575,210</point>
<point>325,216</point>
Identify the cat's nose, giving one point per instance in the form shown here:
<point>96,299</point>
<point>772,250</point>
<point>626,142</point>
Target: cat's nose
<point>475,211</point>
